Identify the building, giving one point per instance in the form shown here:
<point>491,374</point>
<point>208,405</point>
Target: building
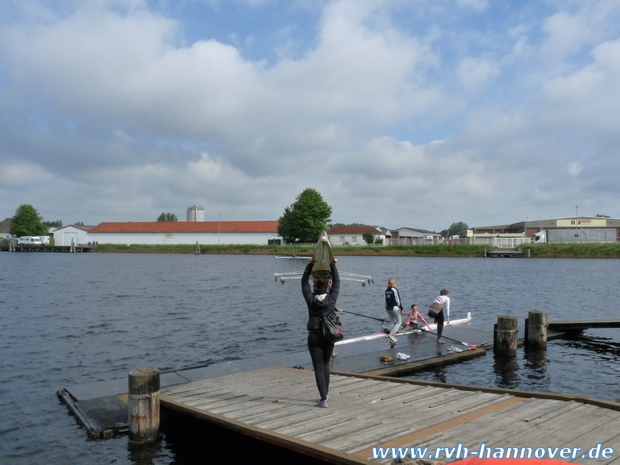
<point>78,235</point>
<point>5,228</point>
<point>187,232</point>
<point>354,235</point>
<point>528,229</point>
<point>411,236</point>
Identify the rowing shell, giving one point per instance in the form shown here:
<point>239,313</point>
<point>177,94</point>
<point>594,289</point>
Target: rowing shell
<point>430,327</point>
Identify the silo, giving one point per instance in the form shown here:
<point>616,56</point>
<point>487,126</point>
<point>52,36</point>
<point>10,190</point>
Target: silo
<point>195,213</point>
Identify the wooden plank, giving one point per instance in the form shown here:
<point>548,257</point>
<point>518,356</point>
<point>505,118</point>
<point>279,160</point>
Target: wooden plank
<point>443,425</point>
<point>498,424</point>
<point>396,427</point>
<point>569,428</point>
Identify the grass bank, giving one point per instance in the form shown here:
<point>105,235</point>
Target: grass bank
<point>577,250</point>
<point>573,250</point>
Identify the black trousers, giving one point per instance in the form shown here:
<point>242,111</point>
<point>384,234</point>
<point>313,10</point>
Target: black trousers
<point>440,321</point>
<point>320,353</point>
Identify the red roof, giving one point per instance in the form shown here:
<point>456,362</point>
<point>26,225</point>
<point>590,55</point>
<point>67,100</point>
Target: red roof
<point>188,227</point>
<point>353,230</point>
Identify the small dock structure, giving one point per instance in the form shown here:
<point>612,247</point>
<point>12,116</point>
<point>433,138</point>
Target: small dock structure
<point>497,252</point>
<point>374,419</point>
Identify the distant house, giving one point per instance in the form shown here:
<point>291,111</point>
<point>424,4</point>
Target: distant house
<point>353,235</point>
<point>187,232</point>
<point>411,236</point>
<point>5,228</point>
<point>72,233</point>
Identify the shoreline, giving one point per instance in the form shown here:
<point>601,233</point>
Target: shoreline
<point>569,250</point>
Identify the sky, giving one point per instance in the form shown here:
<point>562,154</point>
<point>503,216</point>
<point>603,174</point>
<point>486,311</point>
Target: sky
<point>400,113</point>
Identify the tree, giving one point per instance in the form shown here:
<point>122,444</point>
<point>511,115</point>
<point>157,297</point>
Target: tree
<point>53,224</point>
<point>456,228</point>
<point>28,222</point>
<point>306,219</point>
<point>167,217</point>
<point>369,238</point>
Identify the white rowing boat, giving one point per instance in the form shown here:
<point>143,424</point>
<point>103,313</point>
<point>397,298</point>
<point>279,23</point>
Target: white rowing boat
<point>430,327</point>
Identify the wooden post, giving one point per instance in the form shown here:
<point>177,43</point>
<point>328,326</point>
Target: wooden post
<point>506,335</point>
<point>536,329</point>
<point>143,405</point>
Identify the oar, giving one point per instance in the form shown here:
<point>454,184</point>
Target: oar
<point>460,342</point>
<point>365,316</point>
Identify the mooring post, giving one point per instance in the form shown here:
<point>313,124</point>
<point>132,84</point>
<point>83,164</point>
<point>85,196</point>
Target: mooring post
<point>506,335</point>
<point>536,329</point>
<point>143,405</point>
<point>197,248</point>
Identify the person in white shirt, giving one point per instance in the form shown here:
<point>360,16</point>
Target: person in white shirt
<point>444,314</point>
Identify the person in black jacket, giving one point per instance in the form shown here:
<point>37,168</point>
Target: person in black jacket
<point>321,301</point>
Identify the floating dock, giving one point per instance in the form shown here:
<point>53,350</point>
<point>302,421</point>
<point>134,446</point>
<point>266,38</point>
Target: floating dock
<point>365,413</point>
<point>273,398</point>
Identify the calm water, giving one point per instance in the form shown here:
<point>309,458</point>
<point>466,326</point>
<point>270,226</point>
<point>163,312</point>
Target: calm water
<point>70,319</point>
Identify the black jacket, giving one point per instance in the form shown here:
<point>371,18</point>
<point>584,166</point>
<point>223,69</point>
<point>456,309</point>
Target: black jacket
<point>319,304</point>
<point>392,299</point>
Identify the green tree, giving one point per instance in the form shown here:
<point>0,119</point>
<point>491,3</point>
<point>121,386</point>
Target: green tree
<point>167,217</point>
<point>306,219</point>
<point>53,224</point>
<point>28,222</point>
<point>455,229</point>
<point>368,237</point>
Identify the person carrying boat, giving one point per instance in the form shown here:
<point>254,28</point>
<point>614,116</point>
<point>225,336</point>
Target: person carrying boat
<point>321,301</point>
<point>394,308</point>
<point>443,315</point>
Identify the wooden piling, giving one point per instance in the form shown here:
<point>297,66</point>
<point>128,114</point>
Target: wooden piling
<point>143,405</point>
<point>506,335</point>
<point>536,329</point>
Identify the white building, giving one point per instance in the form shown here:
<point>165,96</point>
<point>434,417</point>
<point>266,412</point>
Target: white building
<point>184,232</point>
<point>410,236</point>
<point>354,235</point>
<point>77,234</point>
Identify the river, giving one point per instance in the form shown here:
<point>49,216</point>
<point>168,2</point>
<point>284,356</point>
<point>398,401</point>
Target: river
<point>71,319</point>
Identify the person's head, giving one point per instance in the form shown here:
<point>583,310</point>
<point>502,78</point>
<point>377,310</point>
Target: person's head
<point>322,279</point>
<point>443,292</point>
<point>414,308</point>
<point>392,282</point>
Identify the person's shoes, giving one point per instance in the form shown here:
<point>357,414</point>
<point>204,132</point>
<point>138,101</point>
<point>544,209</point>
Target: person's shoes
<point>440,341</point>
<point>322,403</point>
<point>392,338</point>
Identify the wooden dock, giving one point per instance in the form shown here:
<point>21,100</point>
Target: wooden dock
<point>277,405</point>
<point>495,252</point>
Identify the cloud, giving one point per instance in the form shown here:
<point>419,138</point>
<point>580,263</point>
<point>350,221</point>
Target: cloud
<point>398,114</point>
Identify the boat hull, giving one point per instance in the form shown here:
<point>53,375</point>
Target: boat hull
<point>430,327</point>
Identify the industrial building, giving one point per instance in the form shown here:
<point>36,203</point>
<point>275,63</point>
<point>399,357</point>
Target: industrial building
<point>572,229</point>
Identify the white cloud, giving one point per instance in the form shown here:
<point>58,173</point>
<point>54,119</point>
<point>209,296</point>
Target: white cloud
<point>112,105</point>
<point>474,72</point>
<point>575,168</point>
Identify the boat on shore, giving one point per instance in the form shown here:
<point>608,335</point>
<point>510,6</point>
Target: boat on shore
<point>404,332</point>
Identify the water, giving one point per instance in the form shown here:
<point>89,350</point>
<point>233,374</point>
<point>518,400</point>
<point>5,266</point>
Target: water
<point>72,319</point>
